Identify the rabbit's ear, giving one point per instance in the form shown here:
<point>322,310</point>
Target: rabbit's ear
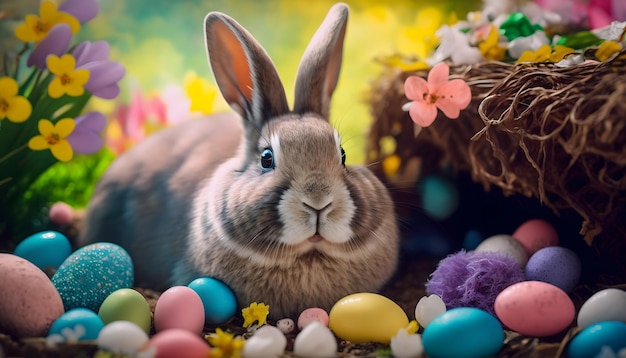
<point>243,71</point>
<point>319,69</point>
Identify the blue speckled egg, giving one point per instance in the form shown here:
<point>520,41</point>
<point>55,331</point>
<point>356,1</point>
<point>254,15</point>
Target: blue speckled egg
<point>92,273</point>
<point>555,265</point>
<point>463,332</point>
<point>78,323</point>
<point>45,249</point>
<point>592,340</point>
<point>219,301</point>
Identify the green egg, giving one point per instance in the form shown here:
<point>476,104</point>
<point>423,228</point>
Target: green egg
<point>126,304</point>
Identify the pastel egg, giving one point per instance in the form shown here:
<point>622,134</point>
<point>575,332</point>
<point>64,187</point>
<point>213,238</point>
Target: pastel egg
<point>505,244</point>
<point>536,234</point>
<point>598,337</point>
<point>122,337</point>
<point>90,274</point>
<point>556,265</point>
<point>286,325</point>
<point>177,342</point>
<point>79,323</point>
<point>29,302</point>
<point>605,305</point>
<point>440,197</point>
<point>365,317</point>
<point>535,308</point>
<point>46,249</point>
<point>179,307</point>
<point>310,315</point>
<point>463,332</point>
<point>126,304</point>
<point>220,303</point>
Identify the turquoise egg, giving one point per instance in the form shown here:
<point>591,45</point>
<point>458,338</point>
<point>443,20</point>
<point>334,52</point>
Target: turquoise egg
<point>44,249</point>
<point>78,323</point>
<point>463,332</point>
<point>89,275</point>
<point>593,339</point>
<point>220,303</point>
<point>440,197</point>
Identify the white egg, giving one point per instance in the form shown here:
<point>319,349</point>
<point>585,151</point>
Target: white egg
<point>427,308</point>
<point>506,244</point>
<point>605,305</point>
<point>122,337</point>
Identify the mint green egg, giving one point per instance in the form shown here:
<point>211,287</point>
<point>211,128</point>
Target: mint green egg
<point>126,304</point>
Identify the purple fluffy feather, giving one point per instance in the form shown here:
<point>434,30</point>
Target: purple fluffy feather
<point>473,279</point>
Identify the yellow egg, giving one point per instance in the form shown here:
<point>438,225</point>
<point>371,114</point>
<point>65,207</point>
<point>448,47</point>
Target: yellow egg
<point>367,317</point>
<point>126,304</point>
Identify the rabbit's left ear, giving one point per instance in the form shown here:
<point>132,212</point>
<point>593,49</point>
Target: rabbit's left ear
<point>318,72</point>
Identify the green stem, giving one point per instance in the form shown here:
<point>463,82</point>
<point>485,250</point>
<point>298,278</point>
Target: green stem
<point>12,153</point>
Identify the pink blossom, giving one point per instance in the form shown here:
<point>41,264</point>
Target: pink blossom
<point>449,96</point>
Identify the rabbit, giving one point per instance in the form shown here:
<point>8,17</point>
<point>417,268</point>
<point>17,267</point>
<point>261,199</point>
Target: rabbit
<point>260,199</point>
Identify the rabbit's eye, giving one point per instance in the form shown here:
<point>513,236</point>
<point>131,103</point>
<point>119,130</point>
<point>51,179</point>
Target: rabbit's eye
<point>343,157</point>
<point>267,160</point>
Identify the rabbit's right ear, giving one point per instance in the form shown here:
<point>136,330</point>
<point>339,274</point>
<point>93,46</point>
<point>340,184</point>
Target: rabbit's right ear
<point>243,71</point>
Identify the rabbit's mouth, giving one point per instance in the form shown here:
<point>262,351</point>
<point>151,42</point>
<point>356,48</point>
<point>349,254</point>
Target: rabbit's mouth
<point>316,238</point>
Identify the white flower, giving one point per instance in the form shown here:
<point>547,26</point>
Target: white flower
<point>68,335</point>
<point>529,43</point>
<point>315,340</point>
<point>611,32</point>
<point>454,45</point>
<point>607,352</point>
<point>427,308</point>
<point>571,61</point>
<point>405,345</point>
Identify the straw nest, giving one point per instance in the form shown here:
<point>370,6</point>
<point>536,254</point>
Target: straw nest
<point>557,134</point>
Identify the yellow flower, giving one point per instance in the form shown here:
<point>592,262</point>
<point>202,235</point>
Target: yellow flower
<point>35,28</point>
<point>201,93</point>
<point>68,79</point>
<point>490,48</point>
<point>256,312</point>
<point>53,137</point>
<point>225,345</point>
<point>412,327</point>
<point>545,54</point>
<point>16,108</point>
<point>607,49</point>
<point>391,164</point>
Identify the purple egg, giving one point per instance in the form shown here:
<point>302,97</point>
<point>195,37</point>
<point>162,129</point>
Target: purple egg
<point>556,265</point>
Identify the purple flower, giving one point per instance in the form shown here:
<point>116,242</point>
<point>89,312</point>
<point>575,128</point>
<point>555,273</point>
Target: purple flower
<point>56,43</point>
<point>86,136</point>
<point>82,10</point>
<point>104,74</point>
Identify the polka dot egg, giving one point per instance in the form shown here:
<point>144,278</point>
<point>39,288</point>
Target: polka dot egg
<point>89,275</point>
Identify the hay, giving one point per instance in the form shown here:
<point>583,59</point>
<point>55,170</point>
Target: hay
<point>555,134</point>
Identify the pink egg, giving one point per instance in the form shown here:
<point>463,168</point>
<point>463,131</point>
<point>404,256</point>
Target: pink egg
<point>535,308</point>
<point>311,315</point>
<point>29,302</point>
<point>61,213</point>
<point>177,342</point>
<point>179,307</point>
<point>536,234</point>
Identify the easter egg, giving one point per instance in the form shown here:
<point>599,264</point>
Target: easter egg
<point>46,249</point>
<point>90,274</point>
<point>463,332</point>
<point>179,307</point>
<point>440,197</point>
<point>122,337</point>
<point>598,337</point>
<point>29,303</point>
<point>605,305</point>
<point>505,244</point>
<point>286,325</point>
<point>220,303</point>
<point>177,342</point>
<point>315,340</point>
<point>535,308</point>
<point>536,234</point>
<point>365,317</point>
<point>310,315</point>
<point>126,304</point>
<point>556,265</point>
<point>427,308</point>
<point>77,324</point>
